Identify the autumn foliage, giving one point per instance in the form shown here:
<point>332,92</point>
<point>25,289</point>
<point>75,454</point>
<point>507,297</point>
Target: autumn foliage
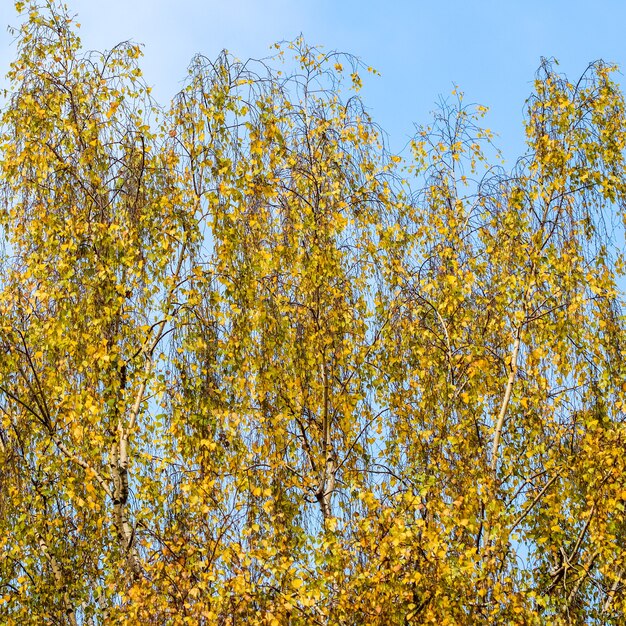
<point>255,369</point>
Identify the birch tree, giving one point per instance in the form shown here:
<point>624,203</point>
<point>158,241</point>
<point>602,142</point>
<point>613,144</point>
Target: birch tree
<point>256,369</point>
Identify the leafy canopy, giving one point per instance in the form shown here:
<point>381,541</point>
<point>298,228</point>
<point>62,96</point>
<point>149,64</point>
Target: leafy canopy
<point>257,370</point>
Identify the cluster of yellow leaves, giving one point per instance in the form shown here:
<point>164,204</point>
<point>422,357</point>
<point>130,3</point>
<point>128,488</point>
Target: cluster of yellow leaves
<point>257,370</point>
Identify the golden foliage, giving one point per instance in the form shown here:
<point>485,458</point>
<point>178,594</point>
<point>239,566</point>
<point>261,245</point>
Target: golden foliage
<point>256,370</point>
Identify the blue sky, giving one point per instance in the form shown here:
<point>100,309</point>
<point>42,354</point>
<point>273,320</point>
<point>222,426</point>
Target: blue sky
<point>490,48</point>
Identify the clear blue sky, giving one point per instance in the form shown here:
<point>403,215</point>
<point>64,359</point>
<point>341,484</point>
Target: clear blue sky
<point>490,48</point>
